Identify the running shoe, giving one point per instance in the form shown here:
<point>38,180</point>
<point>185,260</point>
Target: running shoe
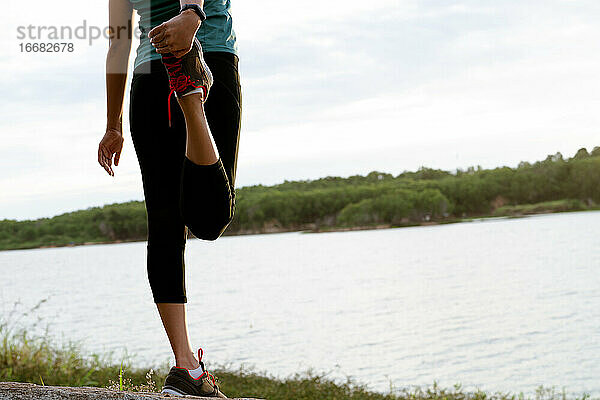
<point>180,382</point>
<point>188,74</point>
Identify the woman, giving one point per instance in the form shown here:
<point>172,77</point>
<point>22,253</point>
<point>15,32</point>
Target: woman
<point>188,174</point>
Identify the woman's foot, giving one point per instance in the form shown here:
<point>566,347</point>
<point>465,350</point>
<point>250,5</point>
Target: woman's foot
<point>198,382</point>
<point>188,75</point>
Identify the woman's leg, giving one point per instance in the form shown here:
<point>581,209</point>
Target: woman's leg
<point>160,151</point>
<point>200,146</point>
<point>163,157</point>
<point>208,193</point>
<point>174,320</point>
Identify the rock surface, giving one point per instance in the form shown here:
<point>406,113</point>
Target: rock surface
<point>30,391</point>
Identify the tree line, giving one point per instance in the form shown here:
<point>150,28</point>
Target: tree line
<point>377,199</point>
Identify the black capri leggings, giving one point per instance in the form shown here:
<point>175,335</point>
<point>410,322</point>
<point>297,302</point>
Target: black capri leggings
<point>179,194</point>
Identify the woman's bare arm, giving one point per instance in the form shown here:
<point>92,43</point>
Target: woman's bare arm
<point>120,16</point>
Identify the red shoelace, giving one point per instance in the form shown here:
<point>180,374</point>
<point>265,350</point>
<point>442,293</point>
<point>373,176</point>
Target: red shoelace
<point>178,81</point>
<point>210,376</point>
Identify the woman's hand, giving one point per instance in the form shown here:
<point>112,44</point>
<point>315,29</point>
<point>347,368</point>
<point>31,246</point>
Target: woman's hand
<point>175,35</point>
<point>111,143</point>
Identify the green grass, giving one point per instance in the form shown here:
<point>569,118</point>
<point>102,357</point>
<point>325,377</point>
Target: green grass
<point>38,358</point>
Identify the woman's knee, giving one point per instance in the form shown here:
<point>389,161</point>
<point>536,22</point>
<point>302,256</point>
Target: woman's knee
<point>206,200</point>
<point>212,222</point>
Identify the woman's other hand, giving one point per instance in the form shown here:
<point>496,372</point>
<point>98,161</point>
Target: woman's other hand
<point>175,35</point>
<point>111,143</point>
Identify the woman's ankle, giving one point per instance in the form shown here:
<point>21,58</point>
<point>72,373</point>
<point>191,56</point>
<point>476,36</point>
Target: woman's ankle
<point>189,362</point>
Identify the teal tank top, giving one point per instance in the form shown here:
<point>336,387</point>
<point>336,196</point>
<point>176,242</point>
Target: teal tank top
<point>215,33</point>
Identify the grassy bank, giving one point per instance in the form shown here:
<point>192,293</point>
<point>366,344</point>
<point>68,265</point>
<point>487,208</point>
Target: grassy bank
<point>40,359</point>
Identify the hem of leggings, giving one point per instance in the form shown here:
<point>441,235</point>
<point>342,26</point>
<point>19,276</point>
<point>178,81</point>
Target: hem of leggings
<point>178,300</point>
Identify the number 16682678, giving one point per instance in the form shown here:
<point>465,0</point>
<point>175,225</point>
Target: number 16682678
<point>35,47</point>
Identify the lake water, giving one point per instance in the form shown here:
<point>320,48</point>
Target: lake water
<point>500,305</point>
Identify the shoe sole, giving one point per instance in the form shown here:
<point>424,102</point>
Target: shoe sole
<point>172,391</point>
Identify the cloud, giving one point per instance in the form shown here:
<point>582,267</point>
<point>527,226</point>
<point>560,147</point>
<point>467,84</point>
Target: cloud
<point>344,88</point>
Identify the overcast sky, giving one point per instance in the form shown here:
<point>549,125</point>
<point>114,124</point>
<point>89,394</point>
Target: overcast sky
<point>344,88</point>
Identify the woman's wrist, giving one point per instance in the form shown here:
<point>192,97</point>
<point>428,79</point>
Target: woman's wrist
<point>192,16</point>
<point>111,126</point>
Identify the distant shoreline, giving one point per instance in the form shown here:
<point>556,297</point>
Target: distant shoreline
<point>331,229</point>
<point>377,200</point>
